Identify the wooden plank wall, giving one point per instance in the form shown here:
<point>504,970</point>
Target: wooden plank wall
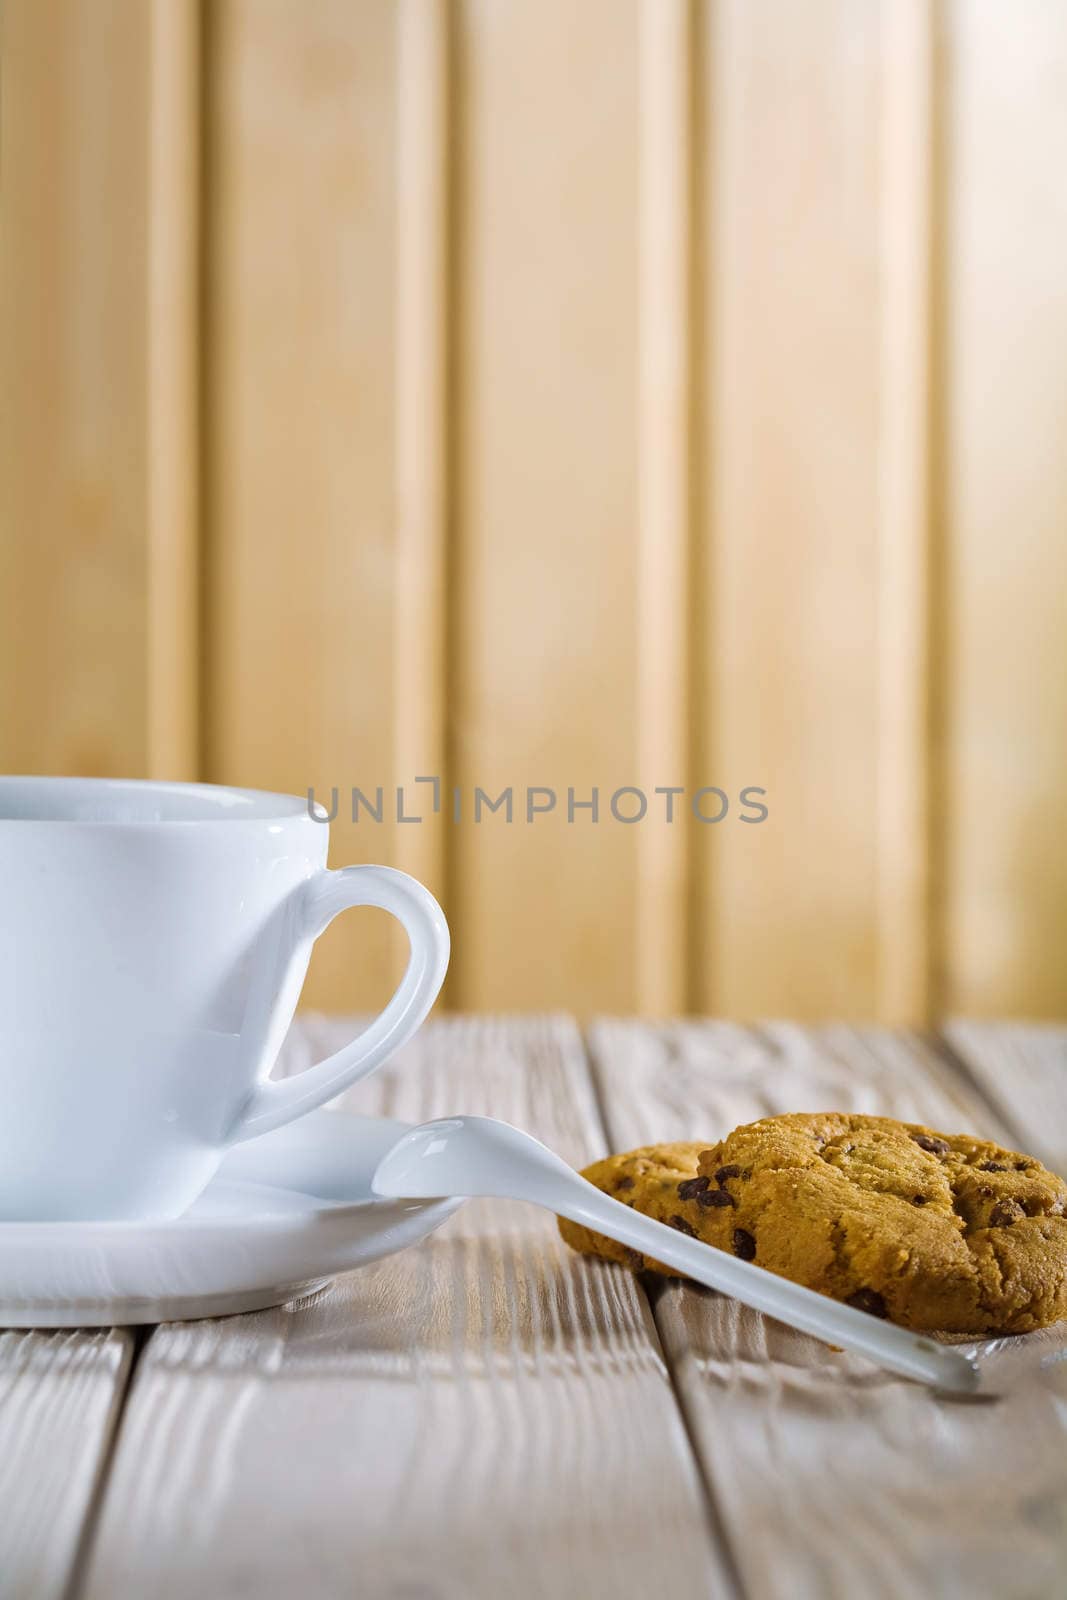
<point>645,392</point>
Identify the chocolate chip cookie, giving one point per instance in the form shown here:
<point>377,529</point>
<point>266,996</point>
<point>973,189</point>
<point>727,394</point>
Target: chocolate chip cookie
<point>935,1231</point>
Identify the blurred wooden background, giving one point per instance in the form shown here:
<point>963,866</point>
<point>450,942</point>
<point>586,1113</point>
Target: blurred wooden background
<point>564,392</point>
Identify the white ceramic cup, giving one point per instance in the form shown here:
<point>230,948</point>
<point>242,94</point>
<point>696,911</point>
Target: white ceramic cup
<point>153,943</point>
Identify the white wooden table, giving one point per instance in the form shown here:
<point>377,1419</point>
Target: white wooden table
<point>488,1415</point>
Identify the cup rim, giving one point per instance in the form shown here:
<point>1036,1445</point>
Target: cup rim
<point>196,804</point>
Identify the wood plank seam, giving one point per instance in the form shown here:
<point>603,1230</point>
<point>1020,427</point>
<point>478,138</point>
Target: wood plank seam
<point>940,820</point>
<point>422,1394</point>
<point>666,157</point>
<point>801,1441</point>
<point>717,1520</point>
<point>424,102</point>
<point>702,532</point>
<point>60,1398</point>
<point>454,575</point>
<point>904,616</point>
<point>209,754</point>
<point>83,1550</point>
<point>1022,1070</point>
<point>173,247</point>
<point>999,1110</point>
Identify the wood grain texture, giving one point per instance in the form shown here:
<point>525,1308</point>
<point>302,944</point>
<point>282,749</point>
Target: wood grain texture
<point>1021,1068</point>
<point>1004,891</point>
<point>302,386</point>
<point>488,1411</point>
<point>545,680</point>
<point>97,357</point>
<point>638,393</point>
<point>484,1414</point>
<point>59,1399</point>
<point>833,1479</point>
<point>788,606</point>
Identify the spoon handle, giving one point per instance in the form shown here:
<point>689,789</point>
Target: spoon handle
<point>896,1348</point>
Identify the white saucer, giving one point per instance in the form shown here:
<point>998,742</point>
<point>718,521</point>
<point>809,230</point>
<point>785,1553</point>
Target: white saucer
<point>284,1214</point>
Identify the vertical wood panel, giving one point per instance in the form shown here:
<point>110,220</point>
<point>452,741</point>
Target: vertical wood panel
<point>545,688</point>
<point>97,309</point>
<point>789,605</point>
<point>302,471</point>
<point>1005,880</point>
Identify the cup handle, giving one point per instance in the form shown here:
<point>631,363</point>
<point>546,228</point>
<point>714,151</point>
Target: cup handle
<point>273,1103</point>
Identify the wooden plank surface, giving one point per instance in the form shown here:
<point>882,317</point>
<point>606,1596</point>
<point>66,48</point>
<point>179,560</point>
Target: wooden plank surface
<point>1022,1069</point>
<point>485,1414</point>
<point>59,1399</point>
<point>833,1479</point>
<point>488,1410</point>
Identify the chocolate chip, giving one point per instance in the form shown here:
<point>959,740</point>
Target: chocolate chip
<point>683,1226</point>
<point>744,1244</point>
<point>634,1258</point>
<point>715,1197</point>
<point>692,1188</point>
<point>936,1147</point>
<point>1004,1213</point>
<point>726,1172</point>
<point>868,1300</point>
<point>992,1166</point>
<point>918,1200</point>
<point>1023,1166</point>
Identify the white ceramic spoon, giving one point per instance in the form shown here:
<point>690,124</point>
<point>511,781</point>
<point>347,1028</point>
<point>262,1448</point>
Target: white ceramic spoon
<point>479,1156</point>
